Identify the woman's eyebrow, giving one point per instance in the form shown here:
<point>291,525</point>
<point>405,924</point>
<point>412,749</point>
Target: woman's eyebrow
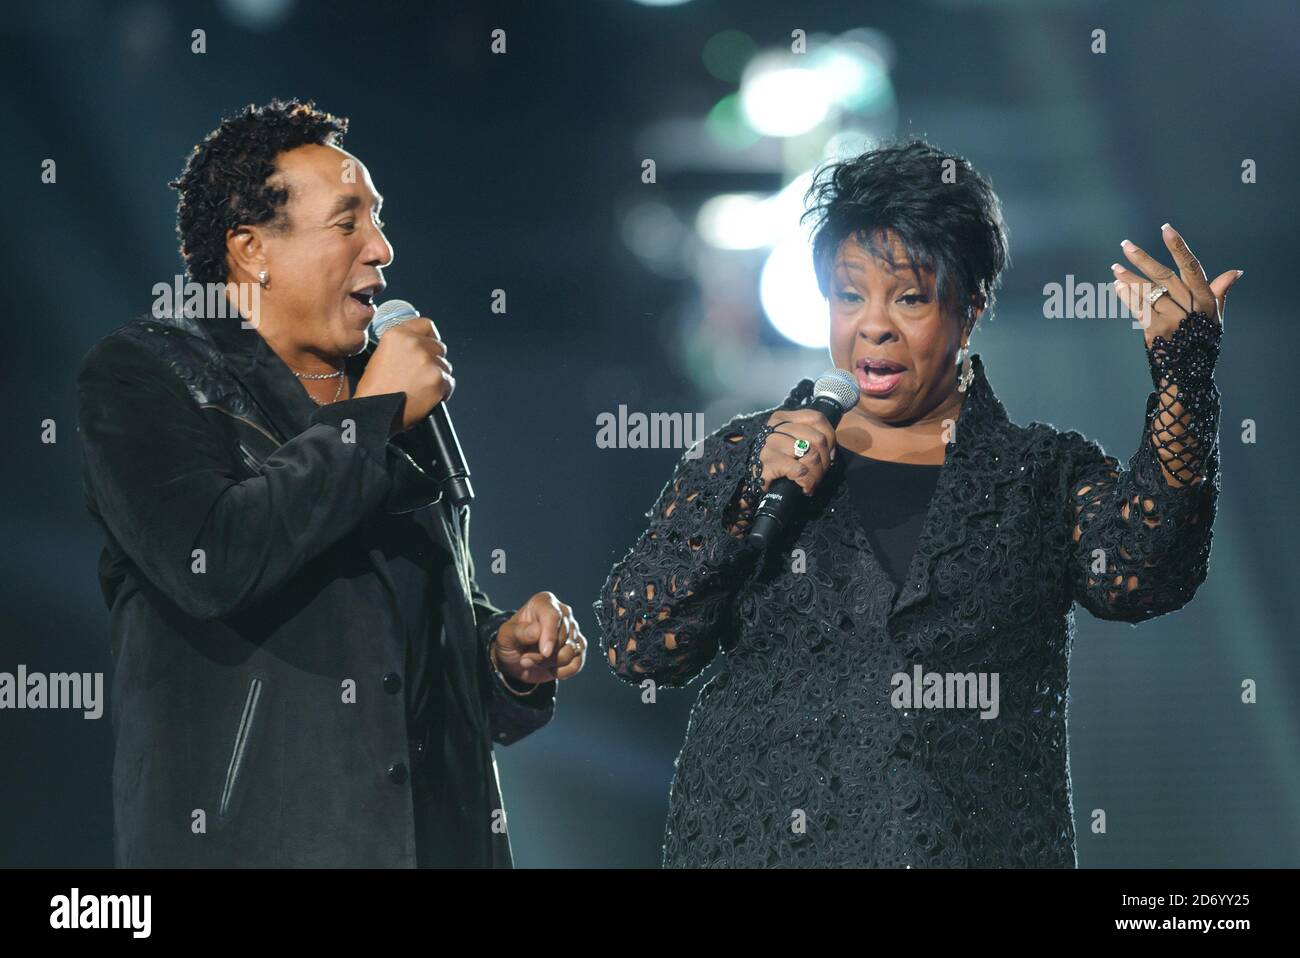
<point>905,272</point>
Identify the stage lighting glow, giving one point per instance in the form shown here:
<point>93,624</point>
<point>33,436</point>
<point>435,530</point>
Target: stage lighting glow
<point>257,15</point>
<point>661,3</point>
<point>726,124</point>
<point>782,100</point>
<point>854,76</point>
<point>734,221</point>
<point>652,231</point>
<point>725,54</point>
<point>790,296</point>
<point>847,143</point>
<point>749,220</point>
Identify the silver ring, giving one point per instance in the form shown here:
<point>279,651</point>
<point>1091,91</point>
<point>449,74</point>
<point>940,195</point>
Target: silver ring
<point>574,644</point>
<point>1156,293</point>
<point>801,447</point>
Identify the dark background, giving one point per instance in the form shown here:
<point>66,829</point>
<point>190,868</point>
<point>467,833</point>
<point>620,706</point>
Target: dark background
<point>522,172</point>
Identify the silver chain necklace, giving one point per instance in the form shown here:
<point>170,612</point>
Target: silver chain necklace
<point>337,374</point>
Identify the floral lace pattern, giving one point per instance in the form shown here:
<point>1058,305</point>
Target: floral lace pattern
<point>794,754</point>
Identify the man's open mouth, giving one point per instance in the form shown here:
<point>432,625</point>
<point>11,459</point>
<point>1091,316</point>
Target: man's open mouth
<point>366,294</point>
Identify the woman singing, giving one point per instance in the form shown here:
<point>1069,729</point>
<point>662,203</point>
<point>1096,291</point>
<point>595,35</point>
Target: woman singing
<point>895,691</point>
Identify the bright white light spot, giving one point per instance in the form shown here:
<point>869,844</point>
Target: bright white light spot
<point>790,296</point>
<point>749,220</point>
<point>845,75</point>
<point>782,100</point>
<point>734,221</point>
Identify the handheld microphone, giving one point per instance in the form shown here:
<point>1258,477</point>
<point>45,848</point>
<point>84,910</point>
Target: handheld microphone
<point>448,461</point>
<point>835,393</point>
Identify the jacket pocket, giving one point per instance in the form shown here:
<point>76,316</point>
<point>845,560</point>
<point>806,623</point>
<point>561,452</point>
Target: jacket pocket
<point>251,719</point>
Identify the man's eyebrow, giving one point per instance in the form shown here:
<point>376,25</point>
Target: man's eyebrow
<point>350,201</point>
<point>344,203</point>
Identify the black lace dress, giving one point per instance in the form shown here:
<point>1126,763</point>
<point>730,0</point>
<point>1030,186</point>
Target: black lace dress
<point>795,754</point>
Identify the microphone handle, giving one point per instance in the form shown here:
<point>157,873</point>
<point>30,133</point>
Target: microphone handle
<point>785,497</point>
<point>767,524</point>
<point>449,466</point>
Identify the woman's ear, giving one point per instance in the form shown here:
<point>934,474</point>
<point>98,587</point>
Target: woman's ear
<point>973,313</point>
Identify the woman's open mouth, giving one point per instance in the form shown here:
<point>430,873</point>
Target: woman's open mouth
<point>878,377</point>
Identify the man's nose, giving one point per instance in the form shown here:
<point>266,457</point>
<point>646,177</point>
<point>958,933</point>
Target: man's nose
<point>379,252</point>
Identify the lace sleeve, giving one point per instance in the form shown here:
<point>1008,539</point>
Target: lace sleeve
<point>667,605</point>
<point>1140,543</point>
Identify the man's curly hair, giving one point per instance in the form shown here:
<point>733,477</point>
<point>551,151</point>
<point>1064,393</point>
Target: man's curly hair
<point>224,184</point>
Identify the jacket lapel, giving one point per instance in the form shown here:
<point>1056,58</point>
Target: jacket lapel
<point>286,405</point>
<point>273,395</point>
<point>269,383</point>
<point>964,489</point>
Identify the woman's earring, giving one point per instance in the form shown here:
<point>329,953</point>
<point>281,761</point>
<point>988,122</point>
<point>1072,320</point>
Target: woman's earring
<point>261,279</point>
<point>963,381</point>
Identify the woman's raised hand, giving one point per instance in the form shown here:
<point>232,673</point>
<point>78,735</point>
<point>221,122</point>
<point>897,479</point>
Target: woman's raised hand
<point>1189,290</point>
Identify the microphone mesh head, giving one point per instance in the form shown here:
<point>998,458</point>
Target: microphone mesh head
<point>840,386</point>
<point>388,314</point>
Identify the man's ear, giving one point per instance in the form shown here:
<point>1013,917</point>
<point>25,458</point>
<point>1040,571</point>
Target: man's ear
<point>245,252</point>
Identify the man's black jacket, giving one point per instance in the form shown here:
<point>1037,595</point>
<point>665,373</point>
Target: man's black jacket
<point>255,632</point>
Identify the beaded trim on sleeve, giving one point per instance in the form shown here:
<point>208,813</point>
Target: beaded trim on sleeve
<point>1184,421</point>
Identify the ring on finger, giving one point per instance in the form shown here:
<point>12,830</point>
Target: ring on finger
<point>801,447</point>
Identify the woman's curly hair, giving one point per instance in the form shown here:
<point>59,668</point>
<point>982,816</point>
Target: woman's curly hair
<point>951,224</point>
<point>224,184</point>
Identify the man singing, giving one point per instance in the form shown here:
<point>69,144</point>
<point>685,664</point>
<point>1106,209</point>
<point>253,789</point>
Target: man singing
<point>306,673</point>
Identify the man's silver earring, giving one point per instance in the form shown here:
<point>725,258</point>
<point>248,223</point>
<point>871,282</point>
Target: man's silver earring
<point>963,381</point>
<point>261,279</point>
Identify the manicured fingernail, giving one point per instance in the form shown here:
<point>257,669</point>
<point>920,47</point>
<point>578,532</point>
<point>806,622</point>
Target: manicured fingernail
<point>1241,273</point>
<point>1166,226</point>
<point>1126,244</point>
<point>1116,267</point>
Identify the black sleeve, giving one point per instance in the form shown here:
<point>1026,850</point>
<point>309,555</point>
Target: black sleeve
<point>1140,546</point>
<point>512,717</point>
<point>161,478</point>
<point>668,604</point>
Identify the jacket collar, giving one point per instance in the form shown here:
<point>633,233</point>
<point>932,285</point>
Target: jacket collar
<point>976,461</point>
<point>269,381</point>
